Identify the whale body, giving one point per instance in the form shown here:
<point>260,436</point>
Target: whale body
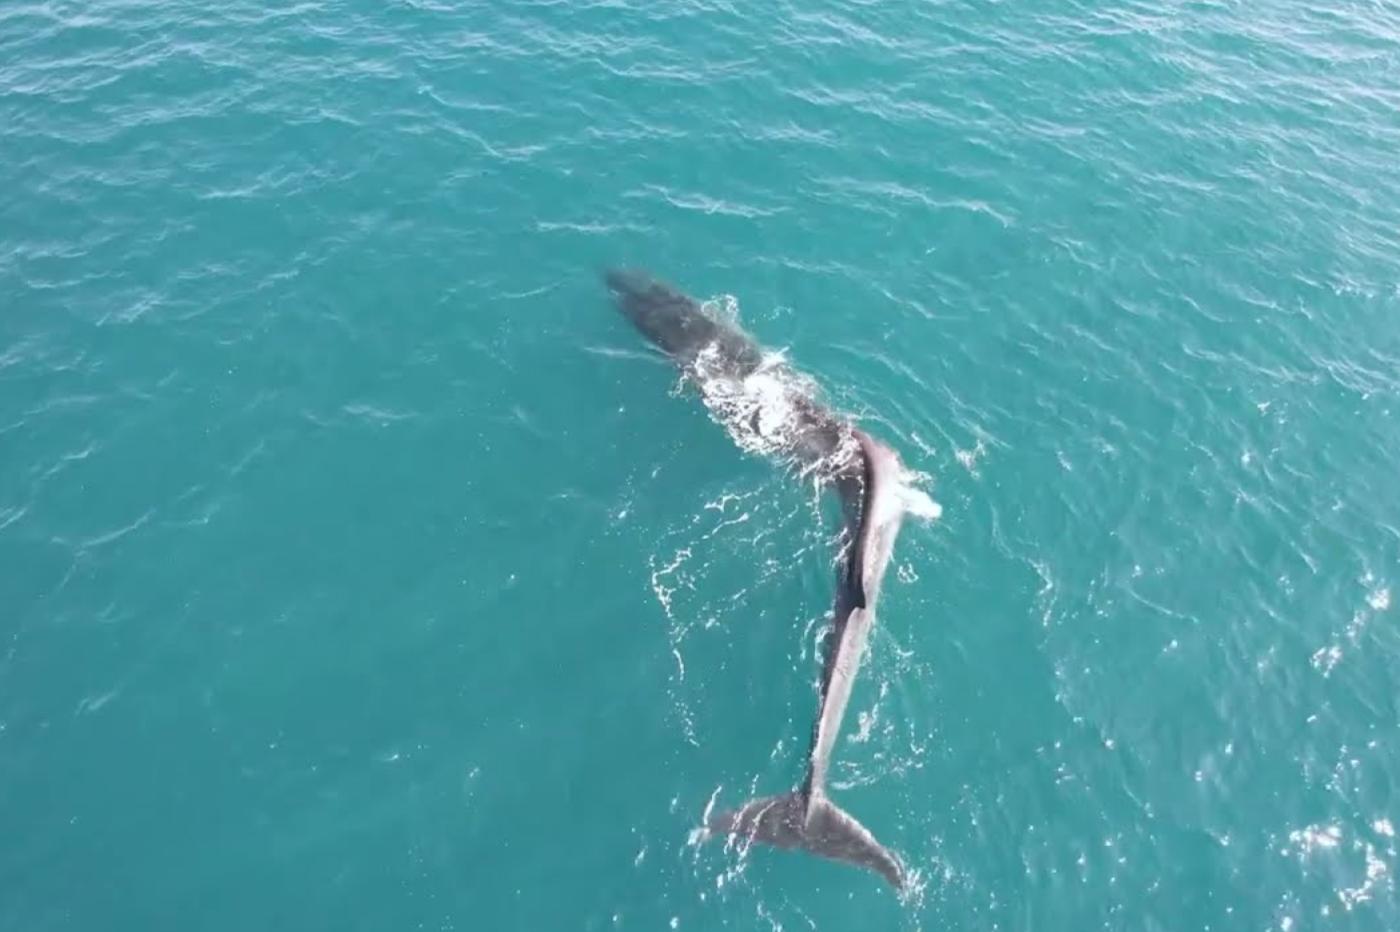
<point>767,408</point>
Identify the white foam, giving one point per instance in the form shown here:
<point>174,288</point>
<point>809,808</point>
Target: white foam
<point>1315,837</point>
<point>759,410</point>
<point>1325,658</point>
<point>665,582</point>
<point>969,458</point>
<point>1376,871</point>
<point>1377,600</point>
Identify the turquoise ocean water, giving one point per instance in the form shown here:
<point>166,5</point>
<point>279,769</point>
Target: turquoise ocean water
<point>361,569</point>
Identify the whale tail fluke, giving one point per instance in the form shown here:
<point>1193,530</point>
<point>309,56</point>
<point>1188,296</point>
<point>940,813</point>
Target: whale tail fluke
<point>814,824</point>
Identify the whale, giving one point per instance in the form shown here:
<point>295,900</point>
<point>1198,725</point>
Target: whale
<point>768,408</point>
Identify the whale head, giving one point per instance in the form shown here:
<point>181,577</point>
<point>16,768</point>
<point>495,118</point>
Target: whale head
<point>671,320</point>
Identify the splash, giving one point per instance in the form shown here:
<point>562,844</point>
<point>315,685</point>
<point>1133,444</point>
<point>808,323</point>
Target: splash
<point>760,411</point>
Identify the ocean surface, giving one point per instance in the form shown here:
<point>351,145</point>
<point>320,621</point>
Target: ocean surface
<point>361,568</point>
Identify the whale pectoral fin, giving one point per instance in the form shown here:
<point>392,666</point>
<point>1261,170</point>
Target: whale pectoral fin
<point>818,826</point>
<point>918,503</point>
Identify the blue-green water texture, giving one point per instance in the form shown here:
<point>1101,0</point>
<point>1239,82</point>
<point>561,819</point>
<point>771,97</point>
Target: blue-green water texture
<point>361,568</point>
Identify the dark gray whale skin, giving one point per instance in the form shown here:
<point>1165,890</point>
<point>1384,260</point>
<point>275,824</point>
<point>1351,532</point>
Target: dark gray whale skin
<point>866,476</point>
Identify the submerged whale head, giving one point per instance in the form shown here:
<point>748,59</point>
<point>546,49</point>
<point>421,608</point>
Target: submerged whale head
<point>682,328</point>
<point>665,316</point>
